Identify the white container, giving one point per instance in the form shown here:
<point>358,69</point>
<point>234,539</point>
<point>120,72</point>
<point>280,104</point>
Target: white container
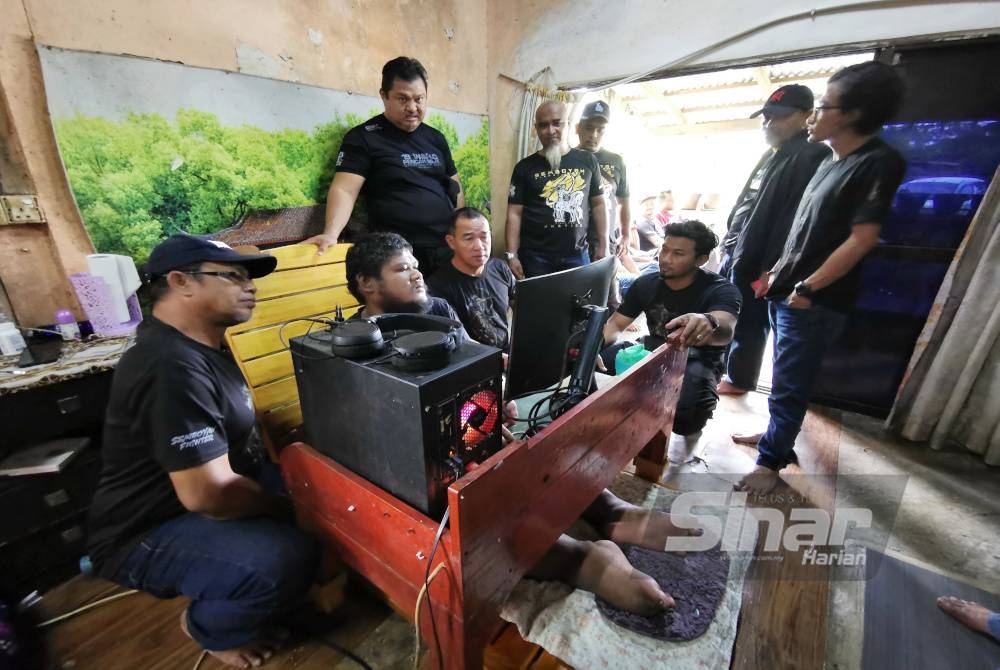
<point>11,341</point>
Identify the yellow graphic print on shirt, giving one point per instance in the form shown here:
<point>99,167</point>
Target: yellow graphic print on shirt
<point>564,194</point>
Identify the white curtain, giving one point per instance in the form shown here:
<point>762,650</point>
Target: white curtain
<point>951,392</point>
<point>540,88</point>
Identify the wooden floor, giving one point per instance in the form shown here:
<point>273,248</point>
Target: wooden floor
<point>782,620</point>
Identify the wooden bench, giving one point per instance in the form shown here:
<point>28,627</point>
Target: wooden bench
<point>504,515</point>
<point>303,285</point>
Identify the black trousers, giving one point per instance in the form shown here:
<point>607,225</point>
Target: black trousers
<point>698,398</point>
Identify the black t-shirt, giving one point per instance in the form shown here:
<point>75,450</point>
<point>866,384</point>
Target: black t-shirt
<point>175,404</point>
<point>707,293</point>
<point>481,302</point>
<point>613,168</point>
<point>858,188</point>
<point>408,187</point>
<point>650,233</point>
<point>556,202</point>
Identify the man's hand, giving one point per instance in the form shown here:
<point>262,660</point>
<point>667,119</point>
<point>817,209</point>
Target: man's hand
<point>323,241</point>
<point>761,286</point>
<point>623,251</point>
<point>690,330</point>
<point>516,268</point>
<point>796,301</point>
<point>600,252</point>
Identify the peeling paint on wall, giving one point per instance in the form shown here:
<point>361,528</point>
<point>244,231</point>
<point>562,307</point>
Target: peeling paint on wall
<point>251,60</point>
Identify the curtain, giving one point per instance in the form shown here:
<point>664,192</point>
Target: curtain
<point>951,391</point>
<point>537,90</point>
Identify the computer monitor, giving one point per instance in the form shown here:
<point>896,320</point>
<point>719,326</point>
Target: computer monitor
<point>548,310</point>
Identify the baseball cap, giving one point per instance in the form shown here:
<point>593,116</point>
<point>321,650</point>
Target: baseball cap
<point>596,109</point>
<point>787,99</point>
<point>180,250</point>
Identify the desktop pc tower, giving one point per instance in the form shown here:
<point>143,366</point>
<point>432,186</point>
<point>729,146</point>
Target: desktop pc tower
<point>410,433</point>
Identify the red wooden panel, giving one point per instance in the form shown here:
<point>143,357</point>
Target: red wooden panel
<point>510,510</point>
<point>361,519</point>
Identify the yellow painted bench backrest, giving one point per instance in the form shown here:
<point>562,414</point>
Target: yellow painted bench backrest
<point>303,285</point>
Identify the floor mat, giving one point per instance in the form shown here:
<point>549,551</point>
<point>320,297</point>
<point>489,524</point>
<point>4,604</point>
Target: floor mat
<point>696,582</point>
<point>567,623</point>
<point>904,629</point>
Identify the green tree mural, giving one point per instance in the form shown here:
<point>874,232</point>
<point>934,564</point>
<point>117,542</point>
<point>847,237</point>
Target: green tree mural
<point>141,179</point>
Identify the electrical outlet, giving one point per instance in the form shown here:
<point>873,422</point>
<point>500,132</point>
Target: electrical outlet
<point>20,209</point>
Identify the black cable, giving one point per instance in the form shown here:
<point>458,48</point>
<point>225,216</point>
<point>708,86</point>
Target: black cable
<point>427,585</point>
<point>344,651</point>
<point>297,354</point>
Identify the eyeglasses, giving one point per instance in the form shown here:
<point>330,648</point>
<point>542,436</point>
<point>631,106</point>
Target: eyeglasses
<point>821,107</point>
<point>558,123</point>
<point>235,276</point>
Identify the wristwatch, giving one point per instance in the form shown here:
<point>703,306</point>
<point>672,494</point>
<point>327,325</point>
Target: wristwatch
<point>712,321</point>
<point>803,289</point>
<point>510,255</point>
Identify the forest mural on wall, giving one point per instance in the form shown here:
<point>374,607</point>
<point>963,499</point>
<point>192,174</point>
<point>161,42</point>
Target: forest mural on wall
<point>153,148</point>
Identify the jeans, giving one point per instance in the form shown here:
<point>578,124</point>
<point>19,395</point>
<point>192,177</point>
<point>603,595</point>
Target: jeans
<point>746,351</point>
<point>698,398</point>
<point>537,264</point>
<point>801,338</point>
<point>240,574</point>
<point>993,623</point>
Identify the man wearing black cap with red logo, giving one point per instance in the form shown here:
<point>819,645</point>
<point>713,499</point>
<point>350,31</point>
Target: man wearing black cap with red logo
<point>176,511</point>
<point>760,221</point>
<point>593,122</point>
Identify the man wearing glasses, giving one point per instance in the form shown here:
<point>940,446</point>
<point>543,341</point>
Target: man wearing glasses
<point>177,509</point>
<point>816,279</point>
<point>555,196</point>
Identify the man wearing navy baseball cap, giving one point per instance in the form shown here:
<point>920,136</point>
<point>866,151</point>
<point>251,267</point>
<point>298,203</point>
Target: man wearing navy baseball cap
<point>593,121</point>
<point>178,509</point>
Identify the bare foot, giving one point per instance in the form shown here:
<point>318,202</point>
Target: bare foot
<point>760,481</point>
<point>726,388</point>
<point>747,438</point>
<point>970,614</point>
<point>250,655</point>
<point>608,574</point>
<point>645,528</point>
<point>633,328</point>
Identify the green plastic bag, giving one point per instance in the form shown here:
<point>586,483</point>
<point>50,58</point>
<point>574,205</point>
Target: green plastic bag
<point>629,356</point>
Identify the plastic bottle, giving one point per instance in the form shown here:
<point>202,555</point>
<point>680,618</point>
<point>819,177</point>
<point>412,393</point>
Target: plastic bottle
<point>66,324</point>
<point>11,341</point>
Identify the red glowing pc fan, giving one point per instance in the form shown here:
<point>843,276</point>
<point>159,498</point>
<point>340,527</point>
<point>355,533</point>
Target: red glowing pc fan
<point>479,416</point>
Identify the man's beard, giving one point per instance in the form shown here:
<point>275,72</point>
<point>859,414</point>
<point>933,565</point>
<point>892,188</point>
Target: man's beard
<point>553,154</point>
<point>411,307</point>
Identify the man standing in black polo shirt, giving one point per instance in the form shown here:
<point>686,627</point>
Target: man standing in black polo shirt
<point>477,286</point>
<point>177,510</point>
<point>816,279</point>
<point>760,221</point>
<point>555,196</point>
<point>402,166</point>
<point>593,122</point>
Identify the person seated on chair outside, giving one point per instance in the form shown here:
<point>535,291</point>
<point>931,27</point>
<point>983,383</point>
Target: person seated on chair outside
<point>385,278</point>
<point>174,513</point>
<point>689,306</point>
<point>389,278</point>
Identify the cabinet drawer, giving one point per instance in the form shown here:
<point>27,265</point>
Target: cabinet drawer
<point>45,412</point>
<point>44,499</point>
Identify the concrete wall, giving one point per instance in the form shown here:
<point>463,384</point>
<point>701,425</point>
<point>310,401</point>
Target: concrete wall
<point>337,44</point>
<point>593,40</point>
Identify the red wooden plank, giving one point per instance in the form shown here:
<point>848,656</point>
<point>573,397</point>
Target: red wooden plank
<point>361,517</point>
<point>510,510</point>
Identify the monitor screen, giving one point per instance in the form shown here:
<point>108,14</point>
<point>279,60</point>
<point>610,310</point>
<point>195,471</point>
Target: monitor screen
<point>545,317</point>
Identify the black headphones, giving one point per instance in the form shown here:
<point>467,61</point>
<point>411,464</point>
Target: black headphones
<point>419,342</point>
